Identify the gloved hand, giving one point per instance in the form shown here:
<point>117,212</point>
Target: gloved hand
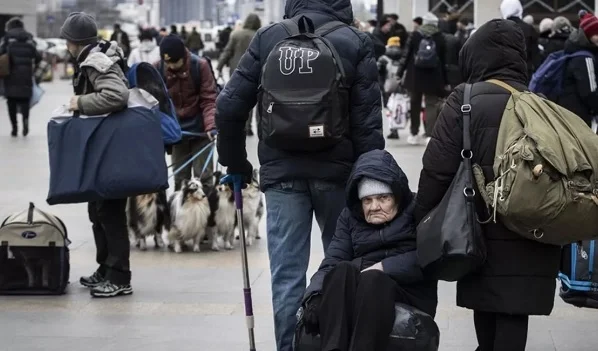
<point>245,169</point>
<point>310,315</point>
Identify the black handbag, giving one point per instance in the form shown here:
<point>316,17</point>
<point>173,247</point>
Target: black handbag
<point>450,242</point>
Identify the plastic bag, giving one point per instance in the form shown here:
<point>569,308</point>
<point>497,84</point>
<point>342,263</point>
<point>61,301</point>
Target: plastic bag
<point>398,108</point>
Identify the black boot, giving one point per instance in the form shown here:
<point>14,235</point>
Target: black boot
<point>394,134</point>
<point>25,126</point>
<point>14,131</point>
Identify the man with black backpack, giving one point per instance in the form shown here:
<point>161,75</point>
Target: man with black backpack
<point>424,66</point>
<point>193,89</point>
<point>319,100</point>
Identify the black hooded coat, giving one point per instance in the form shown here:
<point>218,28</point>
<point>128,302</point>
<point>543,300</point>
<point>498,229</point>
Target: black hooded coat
<point>23,57</point>
<point>519,275</point>
<point>392,243</point>
<point>240,96</point>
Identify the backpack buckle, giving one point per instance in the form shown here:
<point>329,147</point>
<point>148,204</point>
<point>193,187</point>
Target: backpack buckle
<point>466,108</point>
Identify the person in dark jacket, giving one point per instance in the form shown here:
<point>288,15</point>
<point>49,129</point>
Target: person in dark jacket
<point>580,91</point>
<point>371,262</point>
<point>223,37</point>
<point>430,82</point>
<point>18,85</point>
<point>560,32</point>
<point>397,29</point>
<point>513,10</point>
<point>518,278</point>
<point>122,38</point>
<point>237,45</point>
<point>300,183</point>
<point>383,30</point>
<point>194,42</point>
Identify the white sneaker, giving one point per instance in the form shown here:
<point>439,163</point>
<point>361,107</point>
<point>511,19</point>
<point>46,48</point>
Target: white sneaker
<point>413,140</point>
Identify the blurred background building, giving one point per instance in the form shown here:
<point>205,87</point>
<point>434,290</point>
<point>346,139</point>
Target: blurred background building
<point>45,16</point>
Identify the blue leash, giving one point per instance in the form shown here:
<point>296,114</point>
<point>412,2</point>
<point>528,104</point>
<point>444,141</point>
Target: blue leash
<point>189,161</point>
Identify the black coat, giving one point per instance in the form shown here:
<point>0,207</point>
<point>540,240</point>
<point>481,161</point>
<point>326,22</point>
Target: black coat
<point>533,57</point>
<point>580,90</point>
<point>365,117</point>
<point>519,276</point>
<point>427,81</point>
<point>23,57</point>
<point>551,44</point>
<point>393,243</point>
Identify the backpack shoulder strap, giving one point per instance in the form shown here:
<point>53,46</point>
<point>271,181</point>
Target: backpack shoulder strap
<point>503,85</point>
<point>290,26</point>
<point>195,72</point>
<point>329,28</point>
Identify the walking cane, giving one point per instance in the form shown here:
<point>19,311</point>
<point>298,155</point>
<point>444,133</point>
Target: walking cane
<point>237,182</point>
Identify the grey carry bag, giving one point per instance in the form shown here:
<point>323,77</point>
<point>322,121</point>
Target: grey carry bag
<point>34,254</point>
<point>450,242</point>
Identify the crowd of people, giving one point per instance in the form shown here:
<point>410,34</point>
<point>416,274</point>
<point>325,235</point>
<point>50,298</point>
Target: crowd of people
<point>334,166</point>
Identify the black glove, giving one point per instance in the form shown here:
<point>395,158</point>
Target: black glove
<point>245,169</point>
<point>310,315</point>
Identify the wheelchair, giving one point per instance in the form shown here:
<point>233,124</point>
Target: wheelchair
<point>413,330</point>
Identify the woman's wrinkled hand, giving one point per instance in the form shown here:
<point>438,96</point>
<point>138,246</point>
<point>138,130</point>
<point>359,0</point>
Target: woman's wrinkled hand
<point>73,105</point>
<point>310,316</point>
<point>378,267</point>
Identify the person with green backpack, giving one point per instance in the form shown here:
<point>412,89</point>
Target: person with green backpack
<point>518,277</point>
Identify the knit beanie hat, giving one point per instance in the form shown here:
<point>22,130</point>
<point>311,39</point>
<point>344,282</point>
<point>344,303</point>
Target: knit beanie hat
<point>80,28</point>
<point>430,18</point>
<point>546,25</point>
<point>172,48</point>
<point>561,25</point>
<point>369,187</point>
<point>589,24</point>
<point>13,23</point>
<point>393,41</point>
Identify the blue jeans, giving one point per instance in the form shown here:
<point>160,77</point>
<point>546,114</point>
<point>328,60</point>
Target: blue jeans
<point>290,208</point>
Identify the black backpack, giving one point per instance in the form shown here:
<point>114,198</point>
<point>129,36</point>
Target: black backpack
<point>304,101</point>
<point>427,56</point>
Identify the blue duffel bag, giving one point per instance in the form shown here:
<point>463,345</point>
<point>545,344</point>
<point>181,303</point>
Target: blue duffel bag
<point>110,157</point>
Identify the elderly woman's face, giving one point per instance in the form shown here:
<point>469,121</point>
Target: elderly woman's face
<point>379,209</point>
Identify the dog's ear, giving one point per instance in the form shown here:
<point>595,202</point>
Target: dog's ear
<point>185,183</point>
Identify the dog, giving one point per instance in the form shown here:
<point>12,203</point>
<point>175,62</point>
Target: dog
<point>253,209</point>
<point>222,216</point>
<point>147,215</point>
<point>189,212</point>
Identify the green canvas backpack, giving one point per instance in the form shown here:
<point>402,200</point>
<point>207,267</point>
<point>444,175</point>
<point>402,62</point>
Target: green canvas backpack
<point>546,164</point>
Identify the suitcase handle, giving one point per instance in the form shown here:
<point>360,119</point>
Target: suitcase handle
<point>30,213</point>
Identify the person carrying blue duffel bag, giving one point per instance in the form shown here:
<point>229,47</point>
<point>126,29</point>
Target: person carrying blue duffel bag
<point>100,87</point>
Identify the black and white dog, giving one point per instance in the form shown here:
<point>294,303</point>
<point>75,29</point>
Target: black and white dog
<point>189,212</point>
<point>147,215</point>
<point>223,215</point>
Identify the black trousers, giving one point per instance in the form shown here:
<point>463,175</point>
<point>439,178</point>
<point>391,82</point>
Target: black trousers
<point>357,309</point>
<point>500,332</point>
<point>14,105</point>
<point>109,223</point>
<point>433,106</point>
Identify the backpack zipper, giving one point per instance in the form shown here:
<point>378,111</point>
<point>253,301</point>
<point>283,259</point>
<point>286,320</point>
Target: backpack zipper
<point>269,110</point>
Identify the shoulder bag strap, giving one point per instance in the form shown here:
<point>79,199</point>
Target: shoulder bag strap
<point>466,112</point>
<point>466,152</point>
<point>503,85</point>
<point>196,72</point>
<point>329,27</point>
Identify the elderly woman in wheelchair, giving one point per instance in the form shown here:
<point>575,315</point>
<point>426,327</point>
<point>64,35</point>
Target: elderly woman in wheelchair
<point>368,268</point>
